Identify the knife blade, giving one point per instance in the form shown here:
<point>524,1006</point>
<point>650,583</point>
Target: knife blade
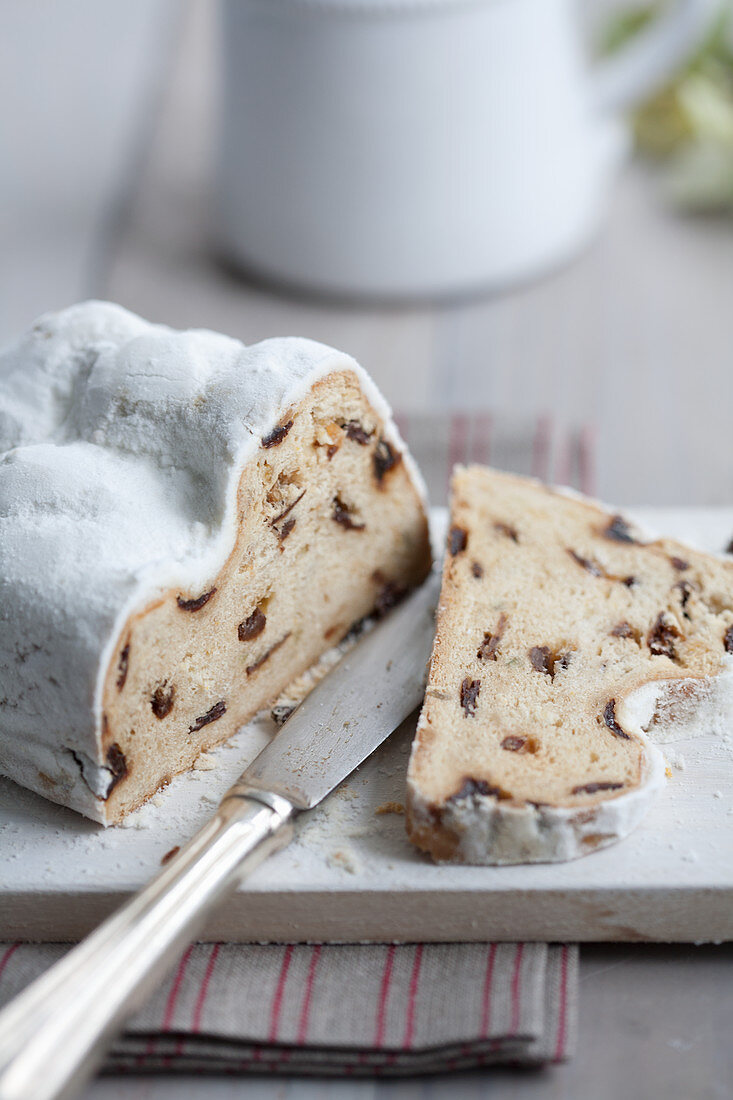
<point>353,709</point>
<point>53,1035</point>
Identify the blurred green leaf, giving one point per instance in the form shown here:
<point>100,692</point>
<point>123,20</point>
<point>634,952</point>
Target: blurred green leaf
<point>688,125</point>
<point>626,24</point>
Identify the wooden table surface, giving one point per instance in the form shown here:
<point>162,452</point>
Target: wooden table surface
<point>106,133</point>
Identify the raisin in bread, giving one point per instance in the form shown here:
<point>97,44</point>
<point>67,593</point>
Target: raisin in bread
<point>186,525</point>
<point>564,644</point>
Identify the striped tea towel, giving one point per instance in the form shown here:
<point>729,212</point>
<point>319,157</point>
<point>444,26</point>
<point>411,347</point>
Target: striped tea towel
<point>342,1009</point>
<point>367,1009</point>
<point>540,447</point>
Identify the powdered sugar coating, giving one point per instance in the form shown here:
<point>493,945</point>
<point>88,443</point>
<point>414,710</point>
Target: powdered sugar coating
<point>121,447</point>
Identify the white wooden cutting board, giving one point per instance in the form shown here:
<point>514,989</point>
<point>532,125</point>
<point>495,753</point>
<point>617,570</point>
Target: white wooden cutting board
<point>351,874</point>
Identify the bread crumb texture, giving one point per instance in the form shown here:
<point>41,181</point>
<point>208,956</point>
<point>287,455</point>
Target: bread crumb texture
<point>553,613</point>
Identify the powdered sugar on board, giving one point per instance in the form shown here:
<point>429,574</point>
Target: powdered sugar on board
<point>351,874</point>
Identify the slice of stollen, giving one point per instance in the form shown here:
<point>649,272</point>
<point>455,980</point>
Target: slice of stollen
<point>566,644</point>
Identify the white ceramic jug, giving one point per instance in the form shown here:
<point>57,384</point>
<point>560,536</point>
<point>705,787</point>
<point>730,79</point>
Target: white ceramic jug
<point>412,148</point>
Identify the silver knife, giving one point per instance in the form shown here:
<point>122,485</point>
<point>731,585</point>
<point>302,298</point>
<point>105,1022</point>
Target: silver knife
<point>54,1034</point>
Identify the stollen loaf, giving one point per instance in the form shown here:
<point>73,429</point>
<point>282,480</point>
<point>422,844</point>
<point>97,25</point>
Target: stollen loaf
<point>186,525</point>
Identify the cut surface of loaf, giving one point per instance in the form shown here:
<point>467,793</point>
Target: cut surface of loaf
<point>187,524</point>
<point>566,643</point>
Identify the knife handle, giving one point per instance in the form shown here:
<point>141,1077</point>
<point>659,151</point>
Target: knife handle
<point>54,1034</point>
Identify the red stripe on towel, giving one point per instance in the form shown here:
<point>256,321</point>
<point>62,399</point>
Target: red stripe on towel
<point>482,439</point>
<point>516,989</point>
<point>204,989</point>
<point>457,440</point>
<point>170,1005</point>
<point>412,997</point>
<point>383,995</point>
<point>586,464</point>
<point>486,994</point>
<point>169,1011</point>
<point>8,956</point>
<point>563,1012</point>
<point>305,1010</point>
<point>541,447</point>
<point>564,464</point>
<point>277,1000</point>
